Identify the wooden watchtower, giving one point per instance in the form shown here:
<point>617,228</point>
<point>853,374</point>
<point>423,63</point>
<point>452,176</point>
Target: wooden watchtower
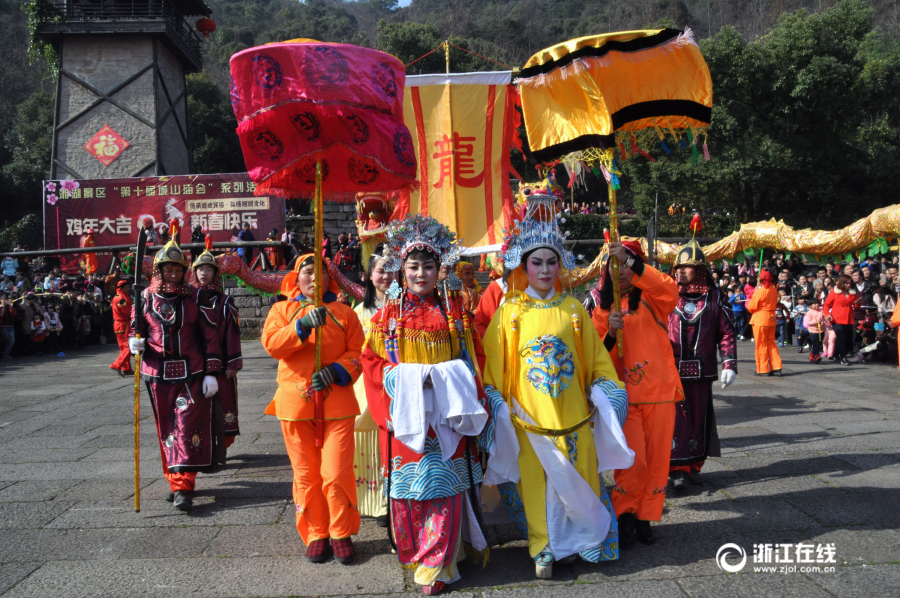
<point>121,104</point>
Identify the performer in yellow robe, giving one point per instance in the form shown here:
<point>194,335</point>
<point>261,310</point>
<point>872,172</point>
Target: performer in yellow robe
<point>367,460</point>
<point>548,373</point>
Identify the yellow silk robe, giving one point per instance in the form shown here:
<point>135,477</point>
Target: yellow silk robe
<point>366,459</point>
<point>554,371</point>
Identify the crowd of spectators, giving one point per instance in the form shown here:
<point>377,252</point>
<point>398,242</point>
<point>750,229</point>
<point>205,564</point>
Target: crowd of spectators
<point>44,310</point>
<point>842,313</point>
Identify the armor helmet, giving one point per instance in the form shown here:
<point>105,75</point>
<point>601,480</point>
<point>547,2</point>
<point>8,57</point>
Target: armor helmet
<point>171,252</point>
<point>206,258</point>
<point>690,254</point>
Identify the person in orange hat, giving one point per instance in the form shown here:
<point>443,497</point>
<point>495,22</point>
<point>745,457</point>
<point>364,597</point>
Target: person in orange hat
<point>651,379</point>
<point>762,305</point>
<point>320,448</point>
<point>121,311</point>
<point>90,259</point>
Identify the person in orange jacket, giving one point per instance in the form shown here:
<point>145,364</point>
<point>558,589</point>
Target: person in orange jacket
<point>489,302</point>
<point>762,305</point>
<point>121,312</point>
<point>324,482</point>
<point>651,380</point>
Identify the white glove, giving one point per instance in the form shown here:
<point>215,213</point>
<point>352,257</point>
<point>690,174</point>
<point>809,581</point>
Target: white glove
<point>136,345</point>
<point>727,378</point>
<point>210,386</point>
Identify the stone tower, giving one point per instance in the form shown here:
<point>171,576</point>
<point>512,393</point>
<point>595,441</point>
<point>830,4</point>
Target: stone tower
<point>121,103</point>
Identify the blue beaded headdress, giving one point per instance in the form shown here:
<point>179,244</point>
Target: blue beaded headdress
<point>418,232</point>
<point>539,228</point>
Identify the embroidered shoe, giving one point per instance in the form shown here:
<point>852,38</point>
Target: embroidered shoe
<point>343,550</point>
<point>434,589</point>
<point>543,565</point>
<point>318,551</point>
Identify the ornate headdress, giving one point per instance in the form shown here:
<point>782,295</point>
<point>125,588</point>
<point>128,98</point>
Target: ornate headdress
<point>539,228</point>
<point>419,232</point>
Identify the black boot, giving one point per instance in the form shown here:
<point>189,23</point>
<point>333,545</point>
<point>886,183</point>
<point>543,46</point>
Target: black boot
<point>381,521</point>
<point>776,373</point>
<point>679,480</point>
<point>184,500</point>
<point>627,532</point>
<point>644,532</point>
<point>170,496</point>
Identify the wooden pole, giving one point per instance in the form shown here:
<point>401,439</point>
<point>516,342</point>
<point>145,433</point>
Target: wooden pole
<point>319,396</point>
<point>613,262</point>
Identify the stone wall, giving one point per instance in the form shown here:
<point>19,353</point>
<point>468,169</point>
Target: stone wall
<point>339,218</point>
<point>252,309</point>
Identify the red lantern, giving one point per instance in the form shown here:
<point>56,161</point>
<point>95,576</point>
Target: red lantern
<point>206,26</point>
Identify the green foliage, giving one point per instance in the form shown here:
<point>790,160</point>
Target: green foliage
<point>39,12</point>
<point>29,231</point>
<point>588,226</point>
<point>28,142</point>
<point>411,41</point>
<point>804,124</point>
<point>214,143</point>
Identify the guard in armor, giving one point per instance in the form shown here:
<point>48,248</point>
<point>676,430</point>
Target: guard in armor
<point>180,363</point>
<point>219,308</point>
<point>701,323</point>
<point>121,312</point>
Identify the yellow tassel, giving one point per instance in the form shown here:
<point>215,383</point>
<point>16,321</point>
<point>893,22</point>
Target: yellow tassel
<point>576,324</point>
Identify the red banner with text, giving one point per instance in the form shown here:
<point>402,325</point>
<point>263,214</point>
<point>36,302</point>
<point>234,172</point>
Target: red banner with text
<point>115,209</point>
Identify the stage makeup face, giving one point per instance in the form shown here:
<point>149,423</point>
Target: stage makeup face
<point>542,268</point>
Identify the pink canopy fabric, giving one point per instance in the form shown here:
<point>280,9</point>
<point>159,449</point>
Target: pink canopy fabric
<point>300,101</point>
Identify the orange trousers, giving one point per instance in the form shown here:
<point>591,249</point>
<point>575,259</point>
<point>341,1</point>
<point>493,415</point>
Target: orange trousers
<point>123,361</point>
<point>641,489</point>
<point>324,484</point>
<point>767,357</point>
<point>178,481</point>
<point>688,469</point>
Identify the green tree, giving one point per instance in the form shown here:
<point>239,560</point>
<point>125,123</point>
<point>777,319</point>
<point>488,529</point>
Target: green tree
<point>214,143</point>
<point>29,143</point>
<point>804,127</point>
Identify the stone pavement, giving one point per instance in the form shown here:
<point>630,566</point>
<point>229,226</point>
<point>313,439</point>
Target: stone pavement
<point>813,457</point>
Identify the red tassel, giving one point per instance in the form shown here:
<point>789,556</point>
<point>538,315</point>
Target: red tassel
<point>606,235</point>
<point>696,224</point>
<point>173,228</point>
<point>636,149</point>
<point>705,151</point>
<point>209,243</point>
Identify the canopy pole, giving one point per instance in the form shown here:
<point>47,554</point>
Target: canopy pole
<point>317,260</point>
<point>613,262</point>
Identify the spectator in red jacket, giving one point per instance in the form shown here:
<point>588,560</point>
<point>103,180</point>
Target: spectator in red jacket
<point>839,311</point>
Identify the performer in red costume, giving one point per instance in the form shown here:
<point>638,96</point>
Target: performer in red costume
<point>220,309</point>
<point>180,363</point>
<point>121,312</point>
<point>701,323</point>
<point>421,347</point>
